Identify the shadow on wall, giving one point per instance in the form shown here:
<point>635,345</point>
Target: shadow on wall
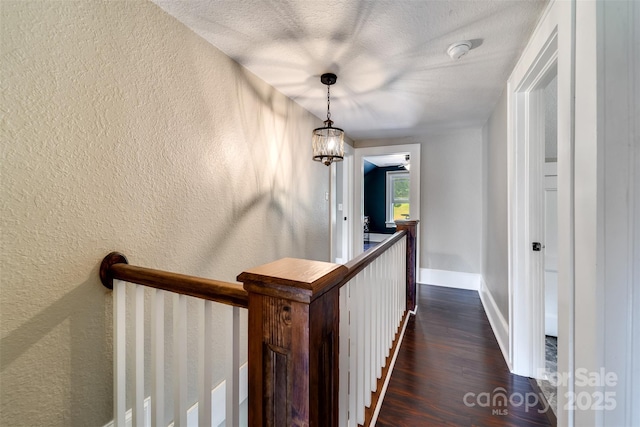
<point>272,187</point>
<point>74,312</point>
<point>261,189</point>
<point>153,143</point>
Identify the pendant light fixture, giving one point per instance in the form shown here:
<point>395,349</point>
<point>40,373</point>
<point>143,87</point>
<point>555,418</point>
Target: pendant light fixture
<point>327,141</point>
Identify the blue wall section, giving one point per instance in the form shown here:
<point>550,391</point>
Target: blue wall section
<point>375,193</point>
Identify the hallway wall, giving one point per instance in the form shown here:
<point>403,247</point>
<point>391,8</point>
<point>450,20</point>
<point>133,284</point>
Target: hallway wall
<point>495,265</point>
<point>123,130</point>
<point>451,200</point>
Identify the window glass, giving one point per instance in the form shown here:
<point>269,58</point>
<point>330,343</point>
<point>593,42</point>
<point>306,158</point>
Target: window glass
<point>397,196</point>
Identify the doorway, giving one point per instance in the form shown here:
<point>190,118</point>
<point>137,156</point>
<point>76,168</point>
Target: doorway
<point>549,54</point>
<point>341,208</point>
<point>532,266</point>
<point>386,184</point>
<point>546,381</point>
<point>377,155</point>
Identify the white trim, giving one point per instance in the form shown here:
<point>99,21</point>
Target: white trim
<point>333,211</point>
<point>556,26</point>
<point>450,279</point>
<point>341,216</point>
<point>526,140</point>
<point>348,202</point>
<point>498,323</point>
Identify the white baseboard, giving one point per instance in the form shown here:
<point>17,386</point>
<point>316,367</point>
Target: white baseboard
<point>450,279</point>
<point>496,319</point>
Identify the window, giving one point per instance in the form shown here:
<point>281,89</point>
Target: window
<point>397,197</point>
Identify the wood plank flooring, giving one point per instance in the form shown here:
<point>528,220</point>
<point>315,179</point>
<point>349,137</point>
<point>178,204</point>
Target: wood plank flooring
<point>450,356</point>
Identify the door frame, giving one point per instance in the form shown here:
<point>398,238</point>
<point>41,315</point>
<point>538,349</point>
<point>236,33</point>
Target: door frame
<point>341,236</point>
<point>358,188</point>
<point>551,47</point>
<point>526,266</point>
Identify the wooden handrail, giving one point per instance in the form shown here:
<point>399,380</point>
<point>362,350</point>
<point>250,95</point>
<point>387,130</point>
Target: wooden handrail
<point>359,263</point>
<point>116,266</point>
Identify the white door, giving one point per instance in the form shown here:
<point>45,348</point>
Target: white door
<point>551,249</point>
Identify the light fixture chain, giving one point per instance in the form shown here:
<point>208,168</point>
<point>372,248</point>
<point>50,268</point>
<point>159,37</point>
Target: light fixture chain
<point>328,102</point>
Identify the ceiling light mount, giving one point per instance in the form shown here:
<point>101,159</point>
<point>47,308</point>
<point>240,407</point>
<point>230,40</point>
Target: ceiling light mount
<point>328,79</point>
<point>459,49</point>
<point>327,141</point>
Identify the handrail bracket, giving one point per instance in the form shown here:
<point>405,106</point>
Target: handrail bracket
<point>106,275</point>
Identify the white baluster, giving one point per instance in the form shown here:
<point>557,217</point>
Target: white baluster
<point>396,286</point>
<point>384,312</point>
<point>343,392</point>
<point>400,275</point>
<point>366,305</point>
<point>374,321</point>
<point>396,282</point>
<point>353,350</point>
<point>393,292</point>
<point>119,353</point>
<point>205,363</point>
<point>157,358</point>
<point>138,364</point>
<point>379,301</point>
<point>361,347</point>
<point>383,315</point>
<point>388,296</point>
<point>381,322</point>
<point>232,399</point>
<point>179,361</point>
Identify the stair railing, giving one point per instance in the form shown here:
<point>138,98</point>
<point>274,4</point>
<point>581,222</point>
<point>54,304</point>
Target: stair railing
<point>321,337</point>
<point>131,373</point>
<point>310,341</point>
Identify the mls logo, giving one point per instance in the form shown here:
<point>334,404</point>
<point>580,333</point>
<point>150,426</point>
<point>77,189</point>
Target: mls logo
<point>499,412</point>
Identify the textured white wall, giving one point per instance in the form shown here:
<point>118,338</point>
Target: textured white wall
<point>123,130</point>
<point>495,259</point>
<point>451,201</point>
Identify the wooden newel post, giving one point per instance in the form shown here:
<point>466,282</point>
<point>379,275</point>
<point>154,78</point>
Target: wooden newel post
<point>412,245</point>
<point>293,342</point>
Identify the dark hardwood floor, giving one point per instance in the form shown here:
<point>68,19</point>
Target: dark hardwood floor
<point>450,371</point>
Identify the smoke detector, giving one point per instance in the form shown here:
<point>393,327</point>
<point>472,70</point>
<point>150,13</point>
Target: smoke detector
<point>459,49</point>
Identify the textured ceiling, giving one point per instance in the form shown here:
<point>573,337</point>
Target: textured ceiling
<point>394,76</point>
